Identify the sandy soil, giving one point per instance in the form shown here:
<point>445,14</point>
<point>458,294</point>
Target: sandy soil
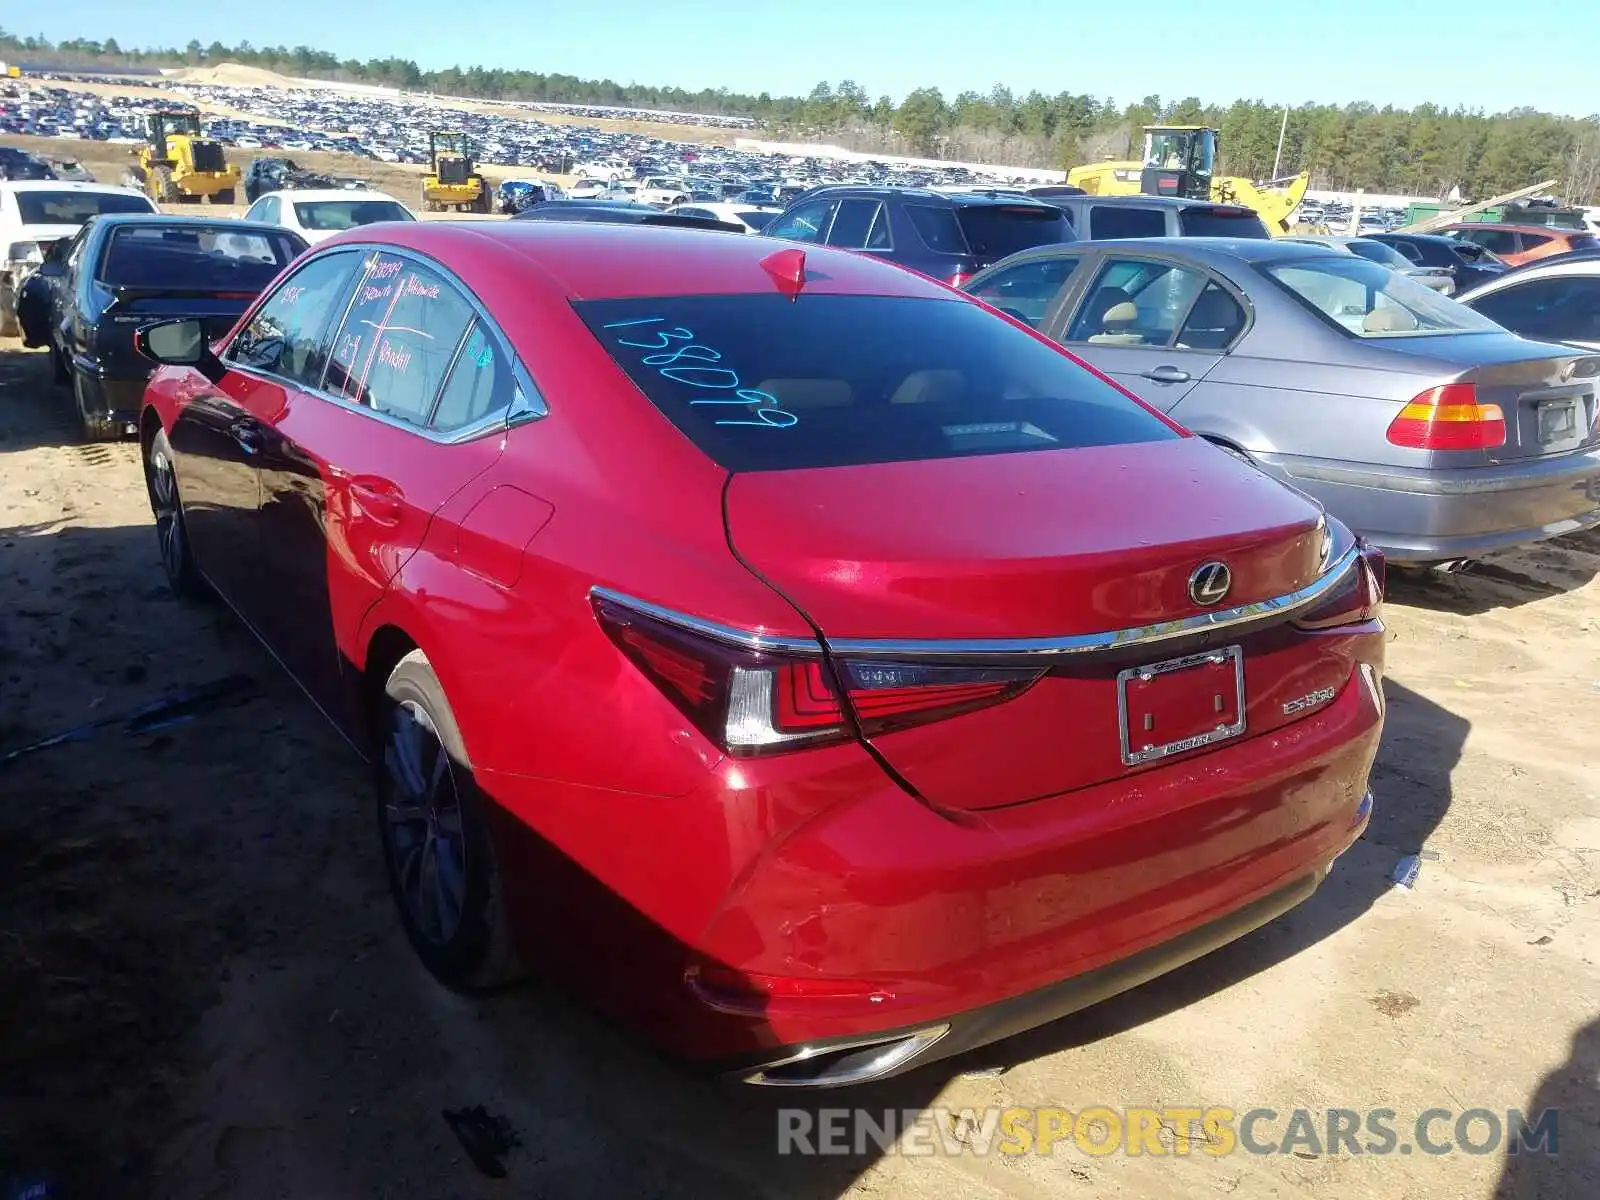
<point>206,995</point>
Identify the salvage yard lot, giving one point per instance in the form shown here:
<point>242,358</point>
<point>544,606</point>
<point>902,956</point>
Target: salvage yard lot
<point>206,992</point>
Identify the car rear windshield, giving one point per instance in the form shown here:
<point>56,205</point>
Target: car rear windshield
<point>762,383</point>
<point>1368,300</point>
<point>74,208</point>
<point>191,256</point>
<point>1378,252</point>
<point>996,230</point>
<point>346,214</point>
<point>1582,241</point>
<point>755,218</point>
<point>1221,222</point>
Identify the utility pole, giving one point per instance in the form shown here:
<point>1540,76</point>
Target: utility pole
<point>1282,129</point>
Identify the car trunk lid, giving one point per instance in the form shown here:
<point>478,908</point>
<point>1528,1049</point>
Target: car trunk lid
<point>974,560</point>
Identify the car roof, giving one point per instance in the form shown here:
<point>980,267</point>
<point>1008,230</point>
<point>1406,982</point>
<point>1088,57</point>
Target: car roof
<point>1210,250</point>
<point>1437,238</point>
<point>179,220</point>
<point>1539,270</point>
<point>66,185</point>
<point>878,191</point>
<point>596,260</point>
<point>1517,226</point>
<point>1157,201</point>
<point>329,194</point>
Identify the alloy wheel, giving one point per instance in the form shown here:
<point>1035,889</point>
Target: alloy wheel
<point>422,822</point>
<point>168,515</point>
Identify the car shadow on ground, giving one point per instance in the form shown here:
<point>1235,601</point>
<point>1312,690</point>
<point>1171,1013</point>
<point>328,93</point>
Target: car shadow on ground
<point>1507,579</point>
<point>1568,1167</point>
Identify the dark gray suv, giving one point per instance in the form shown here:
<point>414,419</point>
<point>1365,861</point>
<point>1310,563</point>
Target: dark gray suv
<point>949,235</point>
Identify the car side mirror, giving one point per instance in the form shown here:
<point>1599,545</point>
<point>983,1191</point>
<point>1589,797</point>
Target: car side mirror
<point>179,343</point>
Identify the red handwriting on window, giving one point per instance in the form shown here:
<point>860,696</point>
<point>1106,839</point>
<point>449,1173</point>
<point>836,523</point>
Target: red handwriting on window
<point>393,356</point>
<point>370,293</point>
<point>292,294</point>
<point>385,269</point>
<point>415,287</point>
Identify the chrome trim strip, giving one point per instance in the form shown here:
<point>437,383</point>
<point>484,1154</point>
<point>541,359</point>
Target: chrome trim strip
<point>1027,649</point>
<point>897,1051</point>
<point>720,633</point>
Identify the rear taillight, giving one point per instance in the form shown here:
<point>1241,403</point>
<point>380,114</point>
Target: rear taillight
<point>752,702</point>
<point>960,277</point>
<point>1356,598</point>
<point>1449,418</point>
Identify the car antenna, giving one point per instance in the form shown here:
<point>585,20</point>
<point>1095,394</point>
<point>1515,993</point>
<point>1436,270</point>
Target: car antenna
<point>788,270</point>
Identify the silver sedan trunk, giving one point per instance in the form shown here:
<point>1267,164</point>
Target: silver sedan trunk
<point>1427,428</point>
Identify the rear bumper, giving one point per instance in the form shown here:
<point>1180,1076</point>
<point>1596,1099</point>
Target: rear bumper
<point>112,398</point>
<point>782,909</point>
<point>1421,516</point>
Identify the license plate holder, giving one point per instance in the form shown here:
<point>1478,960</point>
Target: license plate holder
<point>1180,704</point>
<point>1558,423</point>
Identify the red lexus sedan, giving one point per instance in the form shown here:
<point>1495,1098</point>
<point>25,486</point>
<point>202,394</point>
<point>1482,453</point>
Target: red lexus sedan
<point>813,668</point>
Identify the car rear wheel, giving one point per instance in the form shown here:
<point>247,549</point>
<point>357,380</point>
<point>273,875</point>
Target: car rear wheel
<point>161,482</point>
<point>437,847</point>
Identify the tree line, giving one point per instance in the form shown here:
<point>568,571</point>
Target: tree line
<point>1427,150</point>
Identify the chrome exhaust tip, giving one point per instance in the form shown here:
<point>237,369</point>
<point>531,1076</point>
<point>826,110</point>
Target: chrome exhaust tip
<point>838,1064</point>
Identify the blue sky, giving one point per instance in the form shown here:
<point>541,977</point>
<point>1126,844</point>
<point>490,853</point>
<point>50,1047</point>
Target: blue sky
<point>1473,53</point>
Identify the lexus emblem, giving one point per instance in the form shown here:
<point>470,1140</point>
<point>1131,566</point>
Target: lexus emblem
<point>1210,583</point>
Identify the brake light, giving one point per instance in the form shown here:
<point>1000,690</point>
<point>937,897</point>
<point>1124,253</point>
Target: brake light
<point>961,276</point>
<point>1357,598</point>
<point>1449,418</point>
<point>753,702</point>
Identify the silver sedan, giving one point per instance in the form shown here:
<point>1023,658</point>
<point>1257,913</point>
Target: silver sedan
<point>1427,428</point>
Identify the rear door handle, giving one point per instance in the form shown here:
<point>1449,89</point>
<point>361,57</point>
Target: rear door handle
<point>377,498</point>
<point>1165,375</point>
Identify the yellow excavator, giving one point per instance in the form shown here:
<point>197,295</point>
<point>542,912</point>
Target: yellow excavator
<point>179,166</point>
<point>453,181</point>
<point>1180,160</point>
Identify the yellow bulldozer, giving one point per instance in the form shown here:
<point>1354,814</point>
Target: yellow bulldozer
<point>453,182</point>
<point>177,165</point>
<point>1180,160</point>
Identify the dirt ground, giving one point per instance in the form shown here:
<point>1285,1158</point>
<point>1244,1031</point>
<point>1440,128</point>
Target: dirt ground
<point>204,993</point>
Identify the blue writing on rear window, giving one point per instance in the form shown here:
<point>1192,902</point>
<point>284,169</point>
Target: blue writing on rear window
<point>689,364</point>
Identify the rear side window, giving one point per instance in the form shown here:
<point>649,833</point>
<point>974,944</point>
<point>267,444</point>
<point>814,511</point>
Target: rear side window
<point>1115,221</point>
<point>288,335</point>
<point>480,383</point>
<point>1530,240</point>
<point>1221,222</point>
<point>758,382</point>
<point>1408,250</point>
<point>398,339</point>
<point>938,228</point>
<point>996,230</point>
<point>1496,241</point>
<point>1582,241</point>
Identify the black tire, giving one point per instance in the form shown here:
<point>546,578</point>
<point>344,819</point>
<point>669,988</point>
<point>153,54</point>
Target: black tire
<point>222,196</point>
<point>161,188</point>
<point>90,429</point>
<point>433,823</point>
<point>166,505</point>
